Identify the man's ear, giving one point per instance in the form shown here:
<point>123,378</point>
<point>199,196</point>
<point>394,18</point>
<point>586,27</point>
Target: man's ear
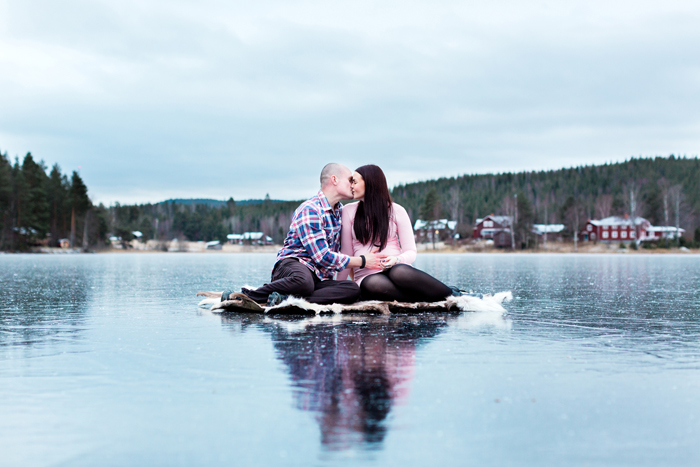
<point>334,179</point>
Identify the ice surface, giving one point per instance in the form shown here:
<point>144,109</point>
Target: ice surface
<point>106,360</point>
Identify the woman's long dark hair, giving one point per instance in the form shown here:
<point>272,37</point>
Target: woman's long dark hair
<point>372,217</point>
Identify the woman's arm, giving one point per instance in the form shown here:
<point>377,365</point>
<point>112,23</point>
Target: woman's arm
<point>404,230</point>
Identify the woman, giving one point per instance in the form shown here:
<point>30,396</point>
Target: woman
<point>376,224</point>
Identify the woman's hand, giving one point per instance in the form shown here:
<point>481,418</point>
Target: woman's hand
<point>389,262</point>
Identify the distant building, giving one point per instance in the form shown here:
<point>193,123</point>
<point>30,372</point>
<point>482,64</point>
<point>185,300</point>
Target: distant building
<point>616,229</point>
<point>626,229</point>
<point>428,231</point>
<point>250,238</point>
<point>553,231</point>
<point>495,228</point>
<point>253,237</point>
<point>214,245</point>
<point>116,242</point>
<point>664,231</point>
<point>235,238</point>
<point>491,225</point>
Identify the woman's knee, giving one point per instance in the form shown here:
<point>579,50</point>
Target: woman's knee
<point>377,287</point>
<point>401,273</point>
<point>372,284</point>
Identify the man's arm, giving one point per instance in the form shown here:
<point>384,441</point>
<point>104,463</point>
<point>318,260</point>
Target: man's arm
<point>372,261</point>
<point>313,237</point>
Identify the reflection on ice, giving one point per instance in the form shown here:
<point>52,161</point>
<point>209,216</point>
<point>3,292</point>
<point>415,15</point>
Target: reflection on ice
<point>483,319</point>
<point>350,370</point>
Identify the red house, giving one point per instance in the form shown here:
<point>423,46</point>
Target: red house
<point>496,228</point>
<point>626,229</point>
<point>616,229</point>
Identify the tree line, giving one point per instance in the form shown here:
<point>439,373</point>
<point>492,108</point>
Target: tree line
<point>194,222</point>
<point>39,206</point>
<point>664,190</point>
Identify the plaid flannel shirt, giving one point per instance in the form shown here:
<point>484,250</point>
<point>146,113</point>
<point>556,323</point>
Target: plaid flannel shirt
<point>314,237</point>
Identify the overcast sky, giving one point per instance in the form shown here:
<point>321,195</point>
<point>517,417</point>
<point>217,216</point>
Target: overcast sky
<point>160,99</point>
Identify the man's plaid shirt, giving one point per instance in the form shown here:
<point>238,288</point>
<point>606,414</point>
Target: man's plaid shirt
<point>314,237</point>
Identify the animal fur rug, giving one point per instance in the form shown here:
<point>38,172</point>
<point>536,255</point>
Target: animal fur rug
<point>294,305</point>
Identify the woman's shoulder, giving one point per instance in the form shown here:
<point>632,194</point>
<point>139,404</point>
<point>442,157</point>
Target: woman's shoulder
<point>349,210</point>
<point>350,207</point>
<point>397,210</point>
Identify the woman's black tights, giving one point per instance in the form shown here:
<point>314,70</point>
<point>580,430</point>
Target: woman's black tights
<point>403,283</point>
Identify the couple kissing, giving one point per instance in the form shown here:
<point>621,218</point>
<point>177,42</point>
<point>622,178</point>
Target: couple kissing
<point>372,240</point>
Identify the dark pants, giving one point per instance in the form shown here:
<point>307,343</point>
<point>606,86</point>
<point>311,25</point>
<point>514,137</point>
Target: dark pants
<point>404,283</point>
<point>291,277</point>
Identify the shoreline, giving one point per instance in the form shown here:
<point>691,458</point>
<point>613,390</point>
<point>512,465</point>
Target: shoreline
<point>600,249</point>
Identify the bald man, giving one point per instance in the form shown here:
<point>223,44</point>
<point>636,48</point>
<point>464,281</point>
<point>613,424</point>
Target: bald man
<point>310,257</point>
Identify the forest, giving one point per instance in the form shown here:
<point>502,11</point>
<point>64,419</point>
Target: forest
<point>664,190</point>
<point>41,207</point>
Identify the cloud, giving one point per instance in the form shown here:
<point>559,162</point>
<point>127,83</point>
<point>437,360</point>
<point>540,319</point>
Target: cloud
<point>158,99</point>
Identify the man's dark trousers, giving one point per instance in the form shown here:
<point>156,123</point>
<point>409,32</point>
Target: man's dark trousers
<point>291,277</point>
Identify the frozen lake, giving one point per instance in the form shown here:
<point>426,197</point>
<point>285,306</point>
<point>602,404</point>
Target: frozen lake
<point>106,360</point>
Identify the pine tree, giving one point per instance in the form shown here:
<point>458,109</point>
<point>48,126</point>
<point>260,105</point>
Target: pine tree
<point>5,200</point>
<point>430,207</point>
<point>525,220</point>
<point>57,190</point>
<point>429,211</point>
<point>79,203</point>
<point>17,207</point>
<point>231,205</point>
<point>36,209</point>
<point>99,226</point>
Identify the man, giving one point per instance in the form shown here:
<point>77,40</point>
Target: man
<point>311,256</point>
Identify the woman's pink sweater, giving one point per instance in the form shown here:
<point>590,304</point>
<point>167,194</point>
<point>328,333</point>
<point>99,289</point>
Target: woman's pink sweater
<point>400,241</point>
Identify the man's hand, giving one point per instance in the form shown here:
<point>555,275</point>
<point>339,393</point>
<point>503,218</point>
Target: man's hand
<point>374,260</point>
